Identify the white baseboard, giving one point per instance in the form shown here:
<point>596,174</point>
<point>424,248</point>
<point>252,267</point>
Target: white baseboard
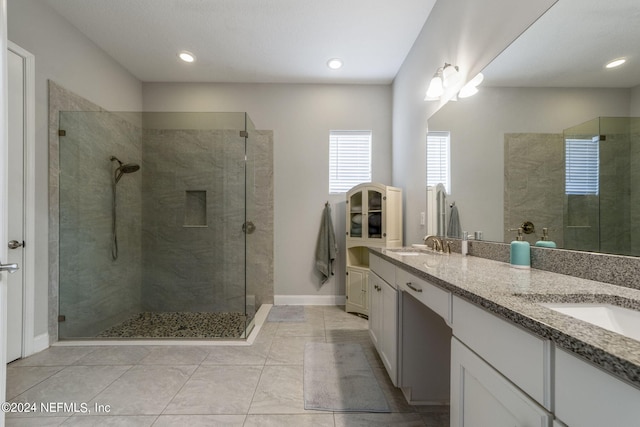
<point>40,342</point>
<point>309,300</point>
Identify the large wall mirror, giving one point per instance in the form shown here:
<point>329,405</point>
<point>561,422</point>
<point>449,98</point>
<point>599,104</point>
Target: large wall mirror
<point>508,142</point>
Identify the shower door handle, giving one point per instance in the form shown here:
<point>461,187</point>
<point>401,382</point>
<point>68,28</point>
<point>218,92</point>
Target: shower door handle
<point>248,227</point>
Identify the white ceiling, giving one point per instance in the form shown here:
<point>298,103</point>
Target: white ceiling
<point>569,46</point>
<point>279,41</point>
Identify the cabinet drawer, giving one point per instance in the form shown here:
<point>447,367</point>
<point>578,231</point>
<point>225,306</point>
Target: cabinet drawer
<point>587,396</point>
<point>382,268</point>
<point>520,356</point>
<point>430,295</point>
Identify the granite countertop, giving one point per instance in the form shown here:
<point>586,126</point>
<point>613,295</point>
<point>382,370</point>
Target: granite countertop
<point>512,294</point>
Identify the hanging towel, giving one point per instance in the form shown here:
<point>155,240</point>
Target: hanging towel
<point>454,229</point>
<point>326,248</point>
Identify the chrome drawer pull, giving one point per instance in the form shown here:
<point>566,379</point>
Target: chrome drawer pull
<point>409,284</point>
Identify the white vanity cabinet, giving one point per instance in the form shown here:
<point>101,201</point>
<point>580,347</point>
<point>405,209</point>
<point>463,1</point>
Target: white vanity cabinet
<point>500,373</point>
<point>383,323</point>
<point>481,396</point>
<point>587,396</point>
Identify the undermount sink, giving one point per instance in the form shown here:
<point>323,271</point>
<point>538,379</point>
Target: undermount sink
<point>621,320</point>
<point>406,253</point>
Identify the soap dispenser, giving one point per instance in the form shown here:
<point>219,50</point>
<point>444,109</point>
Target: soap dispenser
<point>520,252</point>
<point>544,242</point>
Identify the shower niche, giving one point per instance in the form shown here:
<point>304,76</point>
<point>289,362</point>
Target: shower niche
<point>150,219</point>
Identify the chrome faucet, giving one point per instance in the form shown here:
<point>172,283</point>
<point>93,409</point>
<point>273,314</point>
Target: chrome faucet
<point>437,243</point>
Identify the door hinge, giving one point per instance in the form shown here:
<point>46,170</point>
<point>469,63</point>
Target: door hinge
<point>62,132</point>
<point>62,318</point>
<point>244,134</point>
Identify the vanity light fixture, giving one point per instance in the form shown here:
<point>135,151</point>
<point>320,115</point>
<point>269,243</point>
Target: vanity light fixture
<point>616,63</point>
<point>444,77</point>
<point>334,63</point>
<point>187,56</point>
<point>471,88</point>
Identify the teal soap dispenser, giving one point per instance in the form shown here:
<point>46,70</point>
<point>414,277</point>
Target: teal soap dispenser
<point>520,252</point>
<point>544,242</point>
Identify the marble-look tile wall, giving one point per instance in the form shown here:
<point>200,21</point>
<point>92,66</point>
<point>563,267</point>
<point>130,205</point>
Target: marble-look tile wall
<point>615,188</point>
<point>534,184</point>
<point>190,267</point>
<point>634,149</point>
<point>97,291</point>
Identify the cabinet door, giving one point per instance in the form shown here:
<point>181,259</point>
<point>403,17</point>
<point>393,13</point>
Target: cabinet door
<point>355,215</point>
<point>389,330</point>
<point>357,287</point>
<point>375,215</point>
<point>481,397</point>
<point>375,319</point>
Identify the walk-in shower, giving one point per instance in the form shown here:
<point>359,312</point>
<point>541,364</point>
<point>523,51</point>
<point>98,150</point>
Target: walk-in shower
<point>166,253</point>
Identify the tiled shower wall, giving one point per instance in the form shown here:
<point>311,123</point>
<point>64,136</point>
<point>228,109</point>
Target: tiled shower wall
<point>193,209</point>
<point>180,233</point>
<point>98,291</point>
<point>534,184</point>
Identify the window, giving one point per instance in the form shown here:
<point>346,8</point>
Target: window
<point>438,160</point>
<point>582,160</point>
<point>349,159</point>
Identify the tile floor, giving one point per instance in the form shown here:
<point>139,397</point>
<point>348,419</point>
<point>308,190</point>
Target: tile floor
<point>257,385</point>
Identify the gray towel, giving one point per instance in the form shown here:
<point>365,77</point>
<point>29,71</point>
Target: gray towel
<point>454,229</point>
<point>326,248</point>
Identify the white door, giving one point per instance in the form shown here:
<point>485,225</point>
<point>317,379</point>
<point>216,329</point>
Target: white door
<point>15,238</point>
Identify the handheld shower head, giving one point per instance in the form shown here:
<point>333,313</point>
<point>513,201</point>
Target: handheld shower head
<point>123,168</point>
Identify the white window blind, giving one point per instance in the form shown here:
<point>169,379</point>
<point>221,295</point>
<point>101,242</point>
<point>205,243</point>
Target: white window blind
<point>349,159</point>
<point>438,159</point>
<point>582,168</point>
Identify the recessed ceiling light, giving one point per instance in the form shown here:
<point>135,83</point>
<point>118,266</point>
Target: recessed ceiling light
<point>616,63</point>
<point>187,56</point>
<point>334,63</point>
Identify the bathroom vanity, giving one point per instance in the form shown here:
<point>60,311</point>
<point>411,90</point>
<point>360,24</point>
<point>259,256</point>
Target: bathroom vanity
<point>508,358</point>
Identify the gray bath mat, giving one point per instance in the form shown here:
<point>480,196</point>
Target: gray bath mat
<point>337,377</point>
<point>286,313</point>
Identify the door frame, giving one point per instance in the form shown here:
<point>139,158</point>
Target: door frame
<point>3,199</point>
<point>28,263</point>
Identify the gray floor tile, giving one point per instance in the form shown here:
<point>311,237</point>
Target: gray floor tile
<point>175,355</point>
<point>255,354</point>
<point>77,384</point>
<point>55,356</point>
<point>22,378</point>
<point>289,350</point>
<point>200,421</point>
<point>382,420</point>
<point>299,330</point>
<point>217,390</point>
<point>115,355</point>
<point>144,390</point>
<point>292,420</point>
<point>35,421</point>
<point>110,421</point>
<point>280,391</point>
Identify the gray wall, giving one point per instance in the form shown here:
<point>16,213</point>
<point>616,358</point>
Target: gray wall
<point>65,55</point>
<point>301,117</point>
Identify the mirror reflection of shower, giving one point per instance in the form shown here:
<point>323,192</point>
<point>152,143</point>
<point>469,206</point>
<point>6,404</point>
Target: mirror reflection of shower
<point>122,169</point>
